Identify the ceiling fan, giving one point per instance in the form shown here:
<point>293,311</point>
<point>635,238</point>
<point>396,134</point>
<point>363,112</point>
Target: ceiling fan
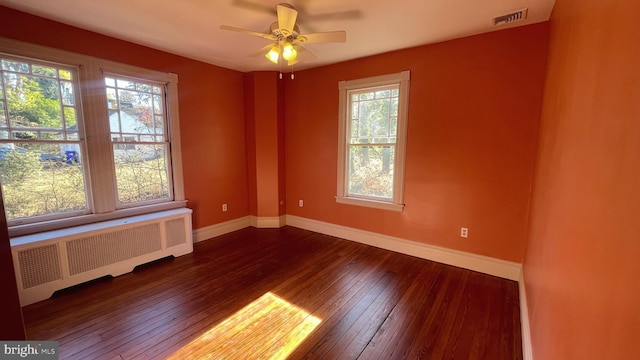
<point>286,37</point>
<point>303,12</point>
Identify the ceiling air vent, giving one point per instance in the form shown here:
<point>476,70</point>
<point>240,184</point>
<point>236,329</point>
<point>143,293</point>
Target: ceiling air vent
<point>511,17</point>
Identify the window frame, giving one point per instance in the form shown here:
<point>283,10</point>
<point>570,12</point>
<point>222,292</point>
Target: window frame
<point>80,142</point>
<point>345,87</point>
<point>131,142</point>
<point>100,178</point>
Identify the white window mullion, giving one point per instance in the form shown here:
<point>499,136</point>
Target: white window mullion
<point>174,131</point>
<point>99,152</point>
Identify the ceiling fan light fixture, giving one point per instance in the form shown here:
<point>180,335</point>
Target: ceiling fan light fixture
<point>273,54</point>
<point>289,52</point>
<point>284,33</point>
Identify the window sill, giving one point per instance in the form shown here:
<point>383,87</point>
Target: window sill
<point>27,229</point>
<point>383,205</point>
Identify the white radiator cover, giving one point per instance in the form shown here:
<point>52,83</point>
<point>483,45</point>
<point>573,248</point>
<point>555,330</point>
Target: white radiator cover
<point>54,260</point>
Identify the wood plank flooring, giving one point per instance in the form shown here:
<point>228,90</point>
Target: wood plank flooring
<point>285,293</point>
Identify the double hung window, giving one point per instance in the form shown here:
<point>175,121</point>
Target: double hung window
<point>373,118</point>
<point>41,141</point>
<point>84,139</point>
<point>138,134</point>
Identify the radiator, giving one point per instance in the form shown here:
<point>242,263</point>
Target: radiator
<point>54,260</point>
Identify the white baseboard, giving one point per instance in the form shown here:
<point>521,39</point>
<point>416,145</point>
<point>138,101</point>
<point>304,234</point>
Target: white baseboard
<point>484,264</point>
<point>268,222</point>
<point>527,349</point>
<point>226,227</point>
<point>214,230</point>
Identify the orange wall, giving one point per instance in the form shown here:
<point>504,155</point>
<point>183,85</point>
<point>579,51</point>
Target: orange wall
<point>583,258</point>
<point>211,111</point>
<point>249,119</point>
<point>263,139</point>
<point>12,326</point>
<point>474,107</point>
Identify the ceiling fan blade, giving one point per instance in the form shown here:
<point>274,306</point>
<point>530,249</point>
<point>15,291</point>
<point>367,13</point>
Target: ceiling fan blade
<point>304,54</point>
<point>343,15</point>
<point>323,37</point>
<point>254,6</point>
<point>286,19</point>
<point>262,51</point>
<point>250,32</point>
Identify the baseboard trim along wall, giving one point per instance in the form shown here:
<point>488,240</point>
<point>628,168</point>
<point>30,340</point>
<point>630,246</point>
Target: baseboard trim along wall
<point>527,349</point>
<point>208,232</point>
<point>484,264</point>
<point>268,222</point>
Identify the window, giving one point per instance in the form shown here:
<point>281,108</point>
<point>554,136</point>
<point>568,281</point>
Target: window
<point>136,121</point>
<point>373,122</point>
<point>41,144</point>
<point>56,167</point>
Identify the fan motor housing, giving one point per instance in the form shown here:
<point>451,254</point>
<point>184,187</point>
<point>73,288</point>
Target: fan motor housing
<point>282,34</point>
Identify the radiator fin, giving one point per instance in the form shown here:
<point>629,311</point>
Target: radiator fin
<point>175,232</point>
<point>39,265</point>
<point>100,250</point>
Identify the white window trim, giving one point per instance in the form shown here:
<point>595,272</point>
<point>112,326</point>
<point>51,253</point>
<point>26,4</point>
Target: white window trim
<point>397,203</point>
<point>104,207</point>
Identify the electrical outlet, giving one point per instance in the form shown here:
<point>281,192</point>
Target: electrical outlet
<point>300,203</point>
<point>464,232</point>
<point>224,207</point>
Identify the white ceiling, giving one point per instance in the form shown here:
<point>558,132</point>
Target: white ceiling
<point>191,28</point>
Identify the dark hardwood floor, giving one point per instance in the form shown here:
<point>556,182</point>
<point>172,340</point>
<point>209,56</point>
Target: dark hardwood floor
<point>273,293</point>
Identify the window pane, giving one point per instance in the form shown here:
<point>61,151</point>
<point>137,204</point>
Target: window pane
<point>64,74</point>
<point>43,71</point>
<point>382,94</point>
<point>125,84</point>
<point>159,125</point>
<point>141,172</point>
<point>375,115</point>
<point>70,118</point>
<point>157,104</point>
<point>135,110</point>
<point>15,66</point>
<point>143,87</point>
<point>112,99</point>
<point>366,96</point>
<point>394,107</point>
<point>41,179</point>
<point>371,171</point>
<point>66,88</point>
<point>35,101</point>
<point>3,116</point>
<point>354,110</point>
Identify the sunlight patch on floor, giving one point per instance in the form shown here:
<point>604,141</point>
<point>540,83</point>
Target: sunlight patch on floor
<point>268,328</point>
